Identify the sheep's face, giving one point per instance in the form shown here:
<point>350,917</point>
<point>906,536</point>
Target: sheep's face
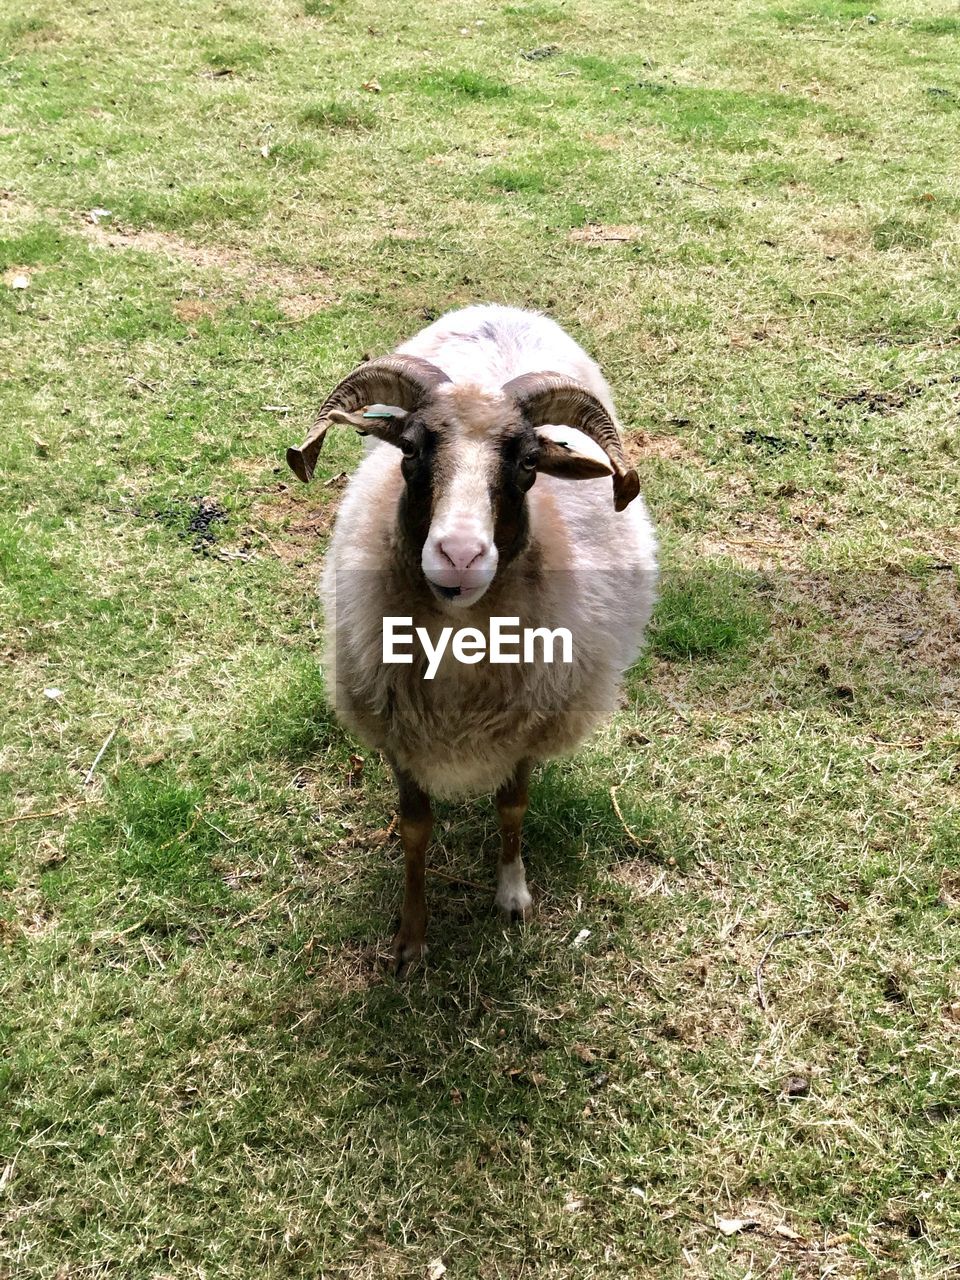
<point>469,459</point>
<point>469,456</point>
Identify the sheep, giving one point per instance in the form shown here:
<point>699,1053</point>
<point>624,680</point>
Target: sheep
<point>462,511</point>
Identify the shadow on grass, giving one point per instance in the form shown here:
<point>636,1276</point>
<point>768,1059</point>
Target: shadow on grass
<point>572,841</point>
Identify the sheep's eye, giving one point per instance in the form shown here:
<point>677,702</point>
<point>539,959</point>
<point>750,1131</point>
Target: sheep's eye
<point>529,463</point>
<point>408,448</point>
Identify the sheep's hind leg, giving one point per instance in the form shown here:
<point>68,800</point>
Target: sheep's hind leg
<point>513,896</point>
<point>416,824</point>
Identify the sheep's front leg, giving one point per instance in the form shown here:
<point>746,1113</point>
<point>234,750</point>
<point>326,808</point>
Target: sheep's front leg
<point>513,896</point>
<point>416,824</point>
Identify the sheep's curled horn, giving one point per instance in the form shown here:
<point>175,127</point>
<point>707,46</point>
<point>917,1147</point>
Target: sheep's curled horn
<point>552,398</point>
<point>403,381</point>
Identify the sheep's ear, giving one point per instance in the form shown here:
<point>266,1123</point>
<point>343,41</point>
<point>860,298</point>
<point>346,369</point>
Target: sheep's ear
<point>561,455</point>
<point>381,420</point>
<point>347,419</point>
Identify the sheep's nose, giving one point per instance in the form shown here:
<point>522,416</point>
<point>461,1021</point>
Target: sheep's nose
<point>460,562</point>
<point>462,549</point>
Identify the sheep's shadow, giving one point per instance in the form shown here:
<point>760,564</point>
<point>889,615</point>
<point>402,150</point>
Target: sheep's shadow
<point>470,1050</point>
<point>572,836</point>
<point>470,1046</point>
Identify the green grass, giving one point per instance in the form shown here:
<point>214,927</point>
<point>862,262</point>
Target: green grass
<point>704,614</point>
<point>751,219</point>
<point>338,115</point>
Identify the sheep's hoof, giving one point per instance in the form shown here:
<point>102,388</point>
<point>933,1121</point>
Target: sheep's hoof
<point>517,915</point>
<point>514,902</point>
<point>408,948</point>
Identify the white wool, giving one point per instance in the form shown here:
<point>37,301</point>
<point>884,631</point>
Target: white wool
<point>488,345</point>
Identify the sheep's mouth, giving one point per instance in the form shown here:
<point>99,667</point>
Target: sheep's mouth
<point>460,596</point>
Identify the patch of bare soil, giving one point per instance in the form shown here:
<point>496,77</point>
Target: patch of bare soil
<point>759,541</point>
<point>606,141</point>
<point>303,536</point>
<point>189,310</point>
<point>16,278</point>
<point>14,208</point>
<point>294,532</point>
<point>299,291</point>
<point>840,240</point>
<point>170,246</point>
<point>668,447</point>
<point>254,468</point>
<point>299,306</point>
<point>915,620</point>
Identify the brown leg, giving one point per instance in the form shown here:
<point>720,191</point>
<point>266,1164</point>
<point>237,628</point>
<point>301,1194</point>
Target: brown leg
<point>513,896</point>
<point>416,824</point>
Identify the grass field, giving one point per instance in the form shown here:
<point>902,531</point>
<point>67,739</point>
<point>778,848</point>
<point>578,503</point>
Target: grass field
<point>727,1046</point>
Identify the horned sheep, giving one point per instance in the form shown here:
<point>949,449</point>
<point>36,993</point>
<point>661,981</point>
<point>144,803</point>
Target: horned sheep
<point>463,514</point>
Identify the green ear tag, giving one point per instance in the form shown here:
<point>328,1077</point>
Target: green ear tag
<point>382,411</point>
